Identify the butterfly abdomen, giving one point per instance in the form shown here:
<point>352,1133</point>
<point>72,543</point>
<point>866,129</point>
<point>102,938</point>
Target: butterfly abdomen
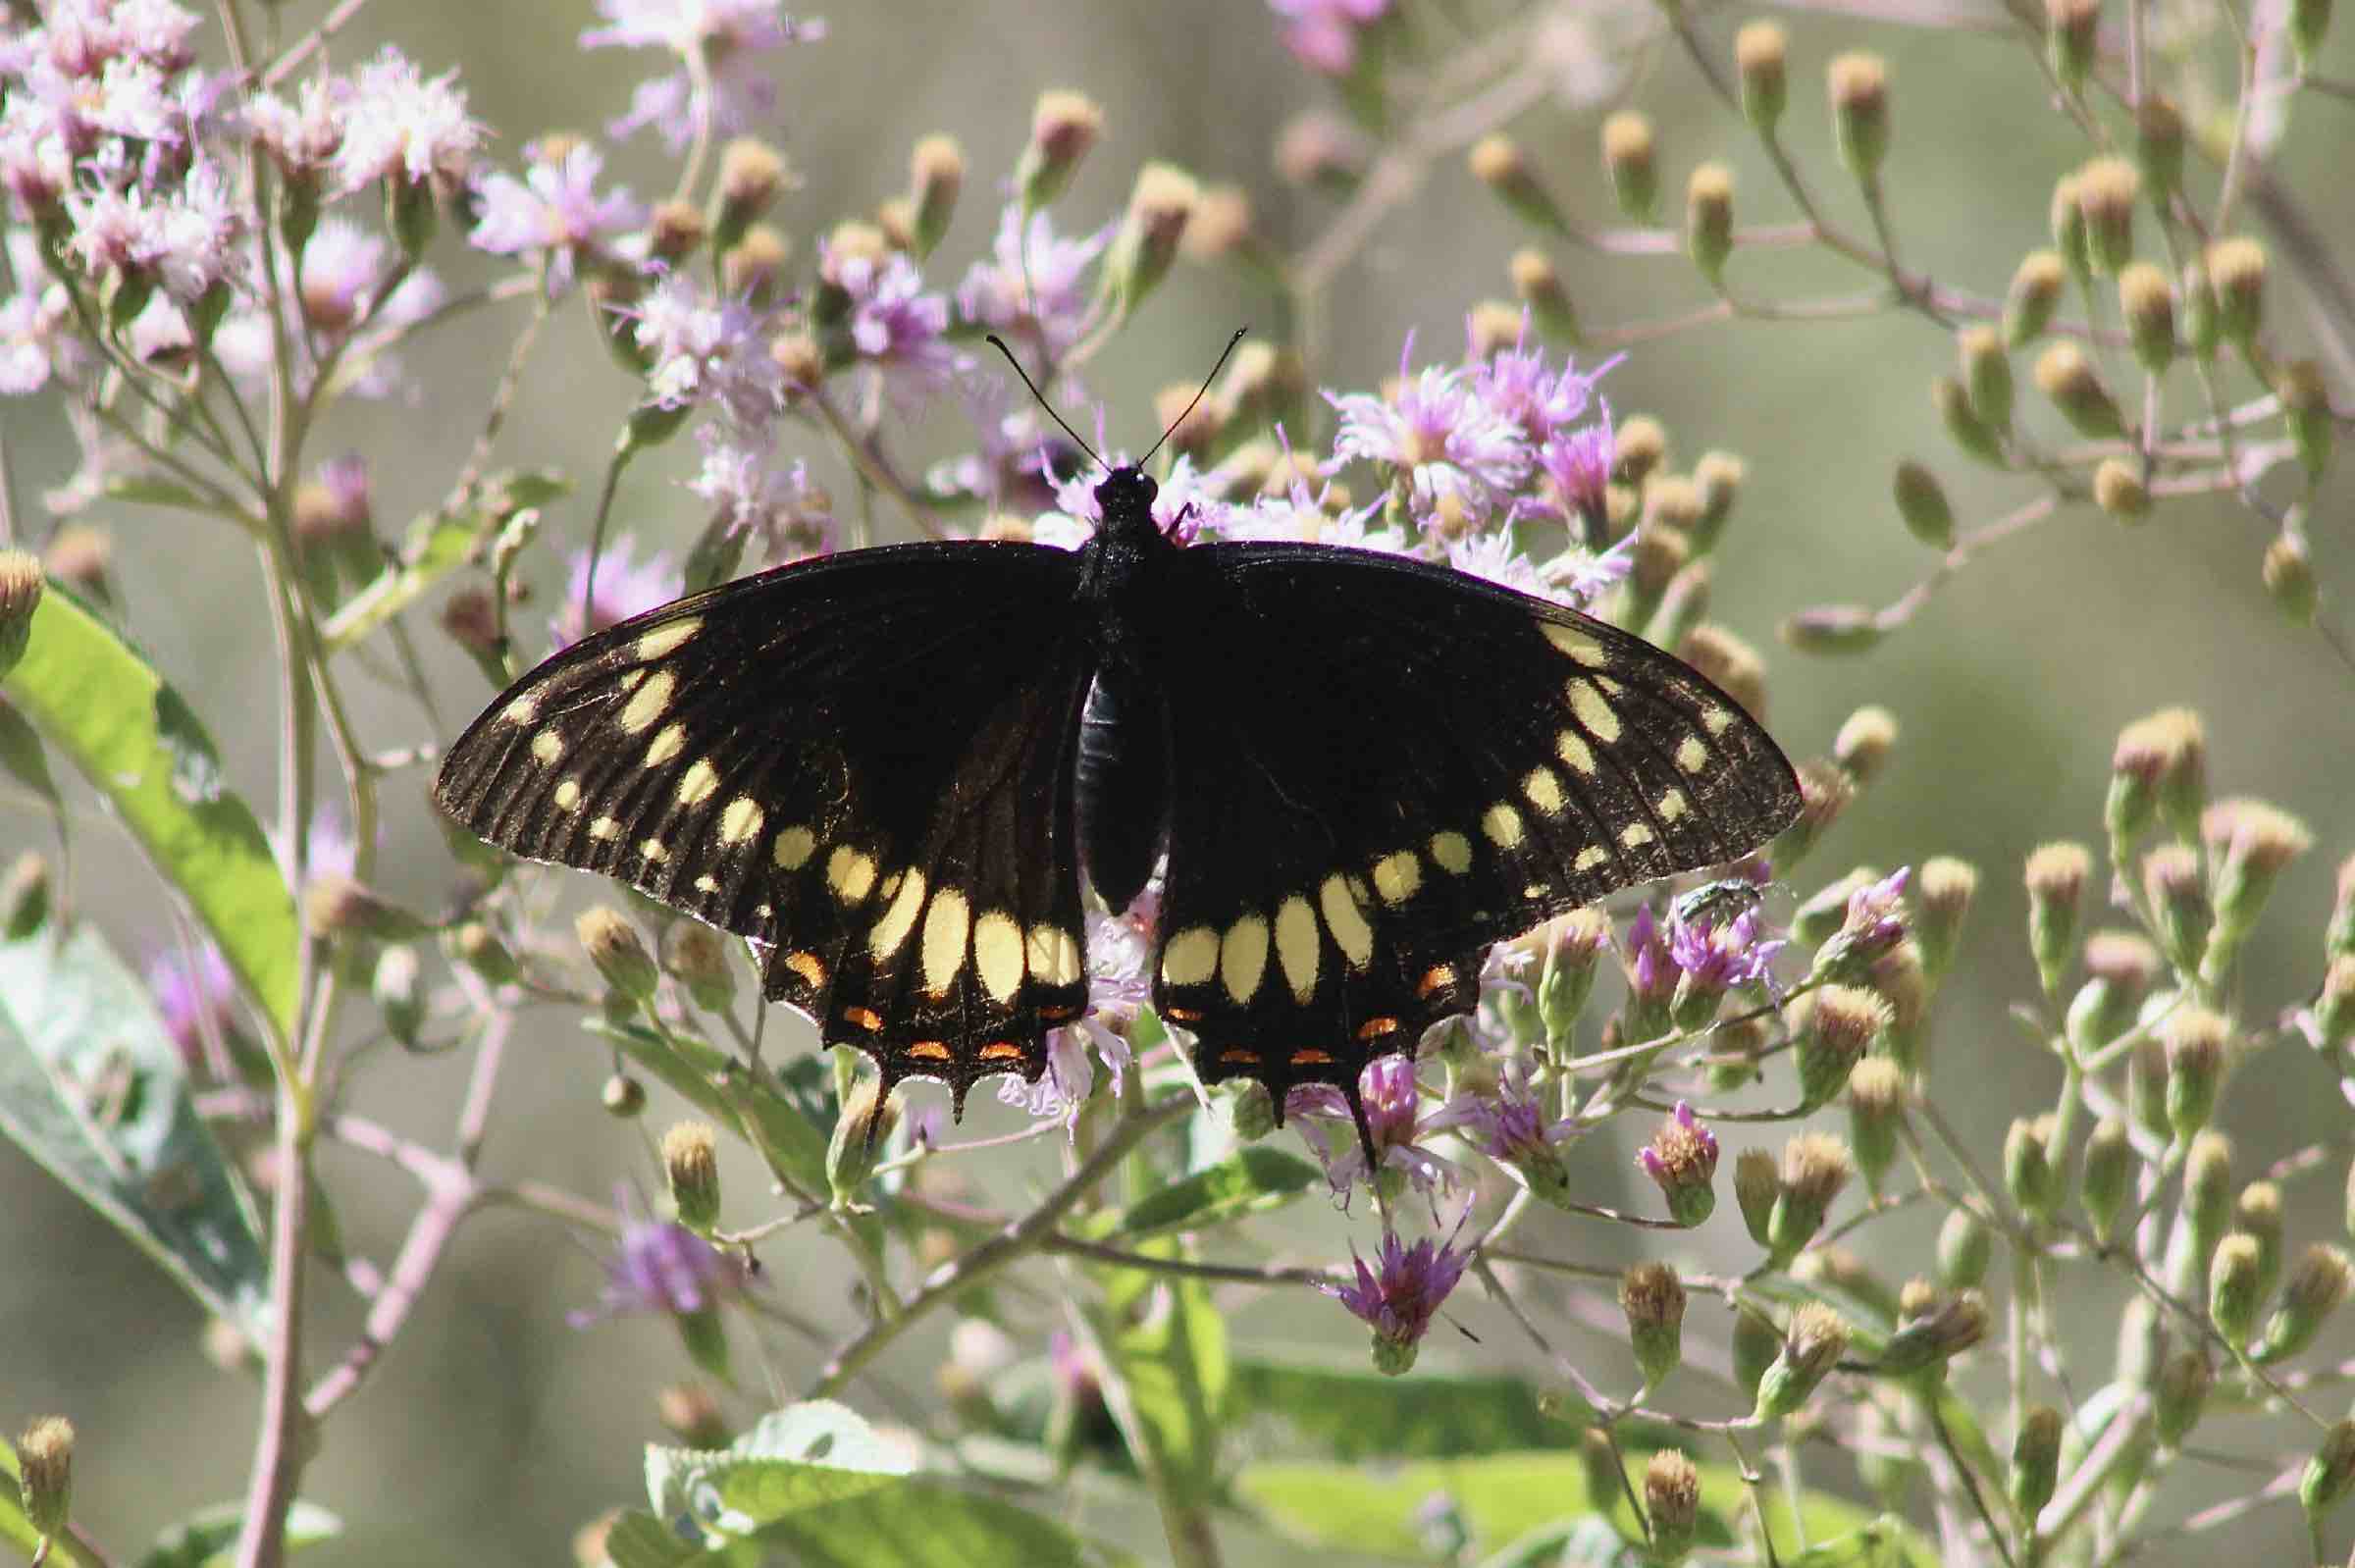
<point>1124,773</point>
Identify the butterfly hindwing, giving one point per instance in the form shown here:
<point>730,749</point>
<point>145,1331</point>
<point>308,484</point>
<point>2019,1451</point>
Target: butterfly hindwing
<point>1381,766</point>
<point>859,762</point>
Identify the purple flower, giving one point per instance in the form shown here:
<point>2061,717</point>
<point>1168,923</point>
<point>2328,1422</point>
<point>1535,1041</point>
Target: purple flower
<point>1876,915</point>
<point>303,135</point>
<point>115,228</point>
<point>1721,955</point>
<point>894,323</point>
<point>1517,385</point>
<point>727,33</point>
<point>623,591</point>
<point>196,228</point>
<point>1644,955</point>
<point>1120,983</point>
<point>36,336</point>
<point>1323,34</point>
<point>707,350</point>
<point>1033,284</point>
<point>777,509</point>
<point>36,160</point>
<point>554,208</point>
<point>1394,1105</point>
<point>660,1267</point>
<point>1399,1297</point>
<point>1454,447</point>
<point>1497,557</point>
<point>1682,1158</point>
<point>398,125</point>
<point>1185,506</point>
<point>197,997</point>
<point>133,99</point>
<point>1576,467</point>
<point>1505,1121</point>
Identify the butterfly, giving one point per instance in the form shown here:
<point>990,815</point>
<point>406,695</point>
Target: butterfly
<point>894,768</point>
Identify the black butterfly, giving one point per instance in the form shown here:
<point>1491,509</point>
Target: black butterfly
<point>889,767</point>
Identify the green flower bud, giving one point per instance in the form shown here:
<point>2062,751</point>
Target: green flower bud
<point>1160,206</point>
<point>2056,883</point>
<point>2170,879</point>
<point>1539,286</point>
<point>479,948</point>
<point>615,947</point>
<point>2108,189</point>
<point>752,269</point>
<point>1833,1029</point>
<point>2072,29</point>
<point>1653,1300</point>
<point>336,906</point>
<point>2119,490</point>
<point>2206,1213</point>
<point>2249,842</point>
<point>2259,1214</point>
<point>1718,479</point>
<point>1815,1167</point>
<point>2289,575</point>
<point>1682,1160</point>
<point>691,1170</point>
<point>1495,161</point>
<point>1832,629</point>
<point>2305,410</point>
<point>697,956</point>
<point>2317,1284</point>
<point>1968,430</point>
<point>1757,1342</point>
<point>2146,1088</point>
<point>2159,767</point>
<point>2065,376</point>
<point>1986,375</point>
<point>2327,1474</point>
<point>25,896</point>
<point>2146,302</point>
<point>1921,502</point>
<point>1576,943</point>
<point>2309,21</point>
<point>2232,1288</point>
<point>2119,967</point>
<point>751,173</point>
<point>1709,220</point>
<point>2158,148</point>
<point>1627,159</point>
<point>1671,1504</point>
<point>2031,1175</point>
<point>2108,1176</point>
<point>623,1096</point>
<point>1876,1111</point>
<point>2035,291</point>
<point>399,988</point>
<point>2068,227</point>
<point>1813,1345</point>
<point>46,1475</point>
<point>1945,890</point>
<point>1859,91</point>
<point>1759,49</point>
<point>2035,1460</point>
<point>2180,1394</point>
<point>20,584</point>
<point>859,1132</point>
<point>1064,127</point>
<point>1965,1248</point>
<point>2335,1006</point>
<point>674,231</point>
<point>2339,936</point>
<point>1757,1187</point>
<point>2236,269</point>
<point>689,1412</point>
<point>935,179</point>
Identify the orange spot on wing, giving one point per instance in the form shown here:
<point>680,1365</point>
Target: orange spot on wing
<point>1312,1058</point>
<point>1058,1013</point>
<point>1001,1050</point>
<point>1236,1055</point>
<point>809,967</point>
<point>1185,1014</point>
<point>1438,977</point>
<point>930,1050</point>
<point>1374,1027</point>
<point>866,1018</point>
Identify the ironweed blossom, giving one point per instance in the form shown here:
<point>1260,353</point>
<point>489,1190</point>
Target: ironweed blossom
<point>1402,1293</point>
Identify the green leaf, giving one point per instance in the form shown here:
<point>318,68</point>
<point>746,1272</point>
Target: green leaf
<point>786,1139</point>
<point>101,702</point>
<point>152,488</point>
<point>1252,1180</point>
<point>209,1539</point>
<point>1507,1496</point>
<point>1585,1542</point>
<point>809,1453</point>
<point>93,1090</point>
<point>436,543</point>
<point>641,1540</point>
<point>1365,1415</point>
<point>1166,1346</point>
<point>929,1523</point>
<point>21,755</point>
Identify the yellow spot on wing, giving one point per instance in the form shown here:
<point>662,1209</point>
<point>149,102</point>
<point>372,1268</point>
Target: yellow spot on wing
<point>1502,825</point>
<point>946,925</point>
<point>1398,877</point>
<point>998,955</point>
<point>1595,711</point>
<point>740,819</point>
<point>606,828</point>
<point>809,967</point>
<point>668,744</point>
<point>1672,806</point>
<point>793,848</point>
<point>1636,835</point>
<point>1572,748</point>
<point>1691,755</point>
<point>652,849</point>
<point>1589,858</point>
<point>1243,957</point>
<point>706,884</point>
<point>1053,955</point>
<point>1452,850</point>
<point>851,874</point>
<point>1345,921</point>
<point>522,711</point>
<point>548,746</point>
<point>667,640</point>
<point>899,918</point>
<point>1544,788</point>
<point>1191,956</point>
<point>568,795</point>
<point>1298,944</point>
<point>698,782</point>
<point>645,704</point>
<point>1716,720</point>
<point>1579,644</point>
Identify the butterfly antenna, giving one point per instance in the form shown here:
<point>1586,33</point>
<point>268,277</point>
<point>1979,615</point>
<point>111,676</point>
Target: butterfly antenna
<point>1198,397</point>
<point>999,343</point>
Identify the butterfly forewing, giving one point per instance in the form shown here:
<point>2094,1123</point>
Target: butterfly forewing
<point>861,762</point>
<point>1381,766</point>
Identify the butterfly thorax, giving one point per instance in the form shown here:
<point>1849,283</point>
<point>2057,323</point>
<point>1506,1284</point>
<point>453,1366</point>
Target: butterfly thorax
<point>1128,582</point>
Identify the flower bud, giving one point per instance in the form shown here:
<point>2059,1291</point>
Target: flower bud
<point>615,947</point>
<point>1759,49</point>
<point>691,1170</point>
<point>25,896</point>
<point>2119,490</point>
<point>1820,916</point>
<point>2232,1288</point>
<point>2323,1484</point>
<point>2236,275</point>
<point>1159,209</point>
<point>1731,665</point>
<point>750,175</point>
<point>2258,1213</point>
<point>1064,126</point>
<point>2108,1176</point>
<point>1824,792</point>
<point>689,1412</point>
<point>1320,149</point>
<point>2205,1212</point>
<point>1836,1027</point>
<point>1876,1111</point>
<point>1832,629</point>
<point>2068,219</point>
<point>2180,907</point>
<point>398,990</point>
<point>2035,1460</point>
<point>2031,1175</point>
<point>1921,502</point>
<point>697,956</point>
<point>335,905</point>
<point>1986,375</point>
<point>859,1133</point>
<point>2289,575</point>
<point>479,948</point>
<point>2072,31</point>
<point>752,269</point>
<point>1813,1345</point>
<point>2160,766</point>
<point>1946,889</point>
<point>1863,743</point>
<point>46,1475</point>
<point>1653,1300</point>
<point>2056,883</point>
<point>1671,1503</point>
<point>623,1097</point>
<point>1220,226</point>
<point>2196,1041</point>
<point>2065,376</point>
<point>2035,291</point>
<point>935,179</point>
<point>2305,410</point>
<point>1639,445</point>
<point>21,584</point>
<point>1682,1160</point>
<point>1537,285</point>
<point>2309,21</point>
<point>1757,1187</point>
<point>1495,161</point>
<point>2158,148</point>
<point>2107,191</point>
<point>1577,941</point>
<point>2146,302</point>
<point>1757,1342</point>
<point>1627,159</point>
<point>1709,220</point>
<point>1968,430</point>
<point>2249,842</point>
<point>1860,90</point>
<point>2180,1393</point>
<point>2318,1286</point>
<point>1815,1167</point>
<point>1964,1247</point>
<point>675,230</point>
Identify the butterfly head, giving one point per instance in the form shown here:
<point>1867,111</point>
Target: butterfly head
<point>1125,501</point>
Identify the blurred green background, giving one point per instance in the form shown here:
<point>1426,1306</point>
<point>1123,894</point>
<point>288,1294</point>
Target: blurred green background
<point>491,1431</point>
